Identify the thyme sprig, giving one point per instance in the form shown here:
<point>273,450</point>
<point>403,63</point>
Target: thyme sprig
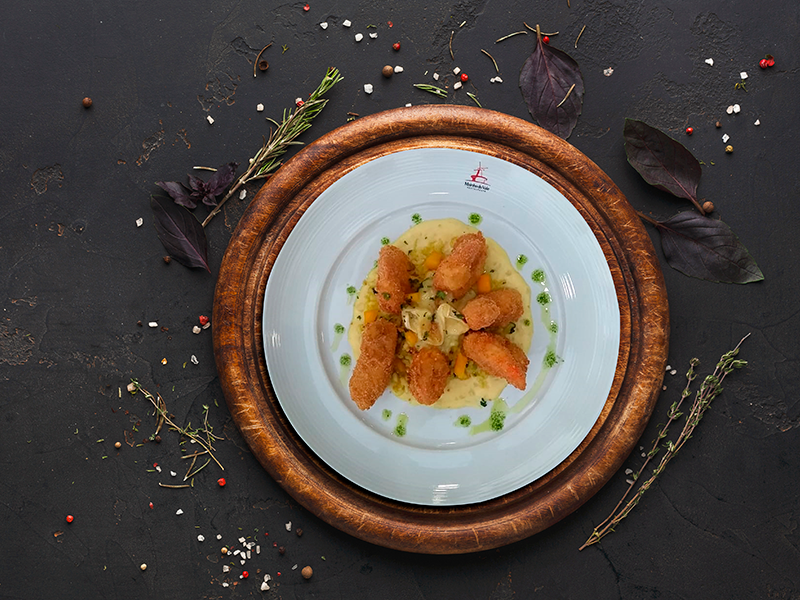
<point>709,389</point>
<point>204,435</point>
<point>436,91</point>
<point>293,123</point>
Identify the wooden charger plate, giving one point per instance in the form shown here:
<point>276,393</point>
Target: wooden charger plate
<point>239,347</point>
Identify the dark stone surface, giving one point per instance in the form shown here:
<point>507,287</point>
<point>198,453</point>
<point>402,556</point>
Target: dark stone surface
<point>77,274</point>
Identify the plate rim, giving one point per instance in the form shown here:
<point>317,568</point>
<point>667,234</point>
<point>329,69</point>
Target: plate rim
<point>260,234</point>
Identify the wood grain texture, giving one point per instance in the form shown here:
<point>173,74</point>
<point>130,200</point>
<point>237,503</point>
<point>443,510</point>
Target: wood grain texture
<point>238,345</point>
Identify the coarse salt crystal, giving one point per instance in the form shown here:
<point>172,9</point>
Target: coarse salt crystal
<point>398,69</point>
<point>219,536</point>
<point>226,568</point>
<point>207,325</point>
<point>743,75</point>
<point>456,85</point>
<point>346,23</point>
<point>608,72</point>
<point>669,367</point>
<point>225,584</point>
<point>242,194</point>
<point>737,108</point>
<point>729,110</point>
<point>264,586</point>
<point>258,549</point>
<point>359,37</point>
<point>196,330</point>
<point>436,76</point>
<point>456,71</point>
<point>289,526</point>
<point>179,511</point>
<point>249,555</point>
<point>139,222</point>
<point>409,104</point>
<point>243,561</point>
<point>152,324</point>
<point>497,79</point>
<point>242,540</point>
<point>201,538</point>
<point>373,35</point>
<point>294,567</point>
<point>710,62</point>
<point>367,88</point>
<point>158,468</point>
<point>210,119</point>
<point>173,473</point>
<point>673,372</point>
<point>725,138</point>
<point>758,122</point>
<point>260,107</point>
<point>194,360</point>
<point>323,25</point>
<point>628,471</point>
<point>237,552</point>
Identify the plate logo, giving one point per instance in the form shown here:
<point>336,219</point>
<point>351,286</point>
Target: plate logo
<point>478,180</point>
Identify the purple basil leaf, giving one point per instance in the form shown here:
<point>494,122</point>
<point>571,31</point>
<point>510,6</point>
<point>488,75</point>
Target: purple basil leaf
<point>182,235</point>
<point>178,193</point>
<point>707,249</point>
<point>545,79</point>
<point>196,184</point>
<point>220,180</point>
<point>661,161</point>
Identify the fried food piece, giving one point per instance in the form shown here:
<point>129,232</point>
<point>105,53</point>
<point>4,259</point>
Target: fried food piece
<point>394,273</point>
<point>459,271</point>
<point>428,375</point>
<point>498,308</point>
<point>497,356</point>
<point>375,363</point>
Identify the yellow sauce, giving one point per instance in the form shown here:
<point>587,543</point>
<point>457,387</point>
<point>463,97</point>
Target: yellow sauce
<point>418,242</point>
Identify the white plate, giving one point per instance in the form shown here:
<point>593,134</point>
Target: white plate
<point>336,243</point>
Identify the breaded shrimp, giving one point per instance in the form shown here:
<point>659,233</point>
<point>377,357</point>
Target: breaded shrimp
<point>428,375</point>
<point>375,363</point>
<point>459,271</point>
<point>497,356</point>
<point>498,308</point>
<point>394,272</point>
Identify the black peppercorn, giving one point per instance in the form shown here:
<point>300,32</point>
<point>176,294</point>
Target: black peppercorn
<point>281,550</point>
<point>157,439</point>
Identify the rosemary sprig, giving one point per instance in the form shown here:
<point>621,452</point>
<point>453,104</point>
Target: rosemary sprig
<point>162,416</point>
<point>280,139</point>
<point>436,91</point>
<point>709,389</point>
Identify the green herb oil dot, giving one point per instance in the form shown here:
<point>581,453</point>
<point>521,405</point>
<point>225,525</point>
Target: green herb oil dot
<point>351,290</point>
<point>475,218</point>
<point>497,419</point>
<point>538,276</point>
<point>402,421</point>
<point>543,298</point>
<point>338,328</point>
<point>386,414</point>
<point>416,219</point>
<point>550,359</point>
<point>521,260</point>
<point>527,322</point>
<point>463,421</point>
<point>553,327</point>
<point>384,241</point>
<point>345,360</point>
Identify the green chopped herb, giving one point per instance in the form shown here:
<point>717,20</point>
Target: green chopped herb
<point>463,421</point>
<point>384,241</point>
<point>553,327</point>
<point>338,328</point>
<point>441,295</point>
<point>527,322</point>
<point>483,402</point>
<point>345,360</point>
<point>497,419</point>
<point>551,359</point>
<point>543,298</point>
<point>416,219</point>
<point>538,276</point>
<point>475,218</point>
<point>351,290</point>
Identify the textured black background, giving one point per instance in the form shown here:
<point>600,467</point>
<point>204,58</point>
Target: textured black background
<point>77,274</point>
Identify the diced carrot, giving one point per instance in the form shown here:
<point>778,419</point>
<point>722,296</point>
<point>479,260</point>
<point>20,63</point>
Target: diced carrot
<point>484,285</point>
<point>370,316</point>
<point>460,368</point>
<point>414,298</point>
<point>432,261</point>
<point>411,338</point>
